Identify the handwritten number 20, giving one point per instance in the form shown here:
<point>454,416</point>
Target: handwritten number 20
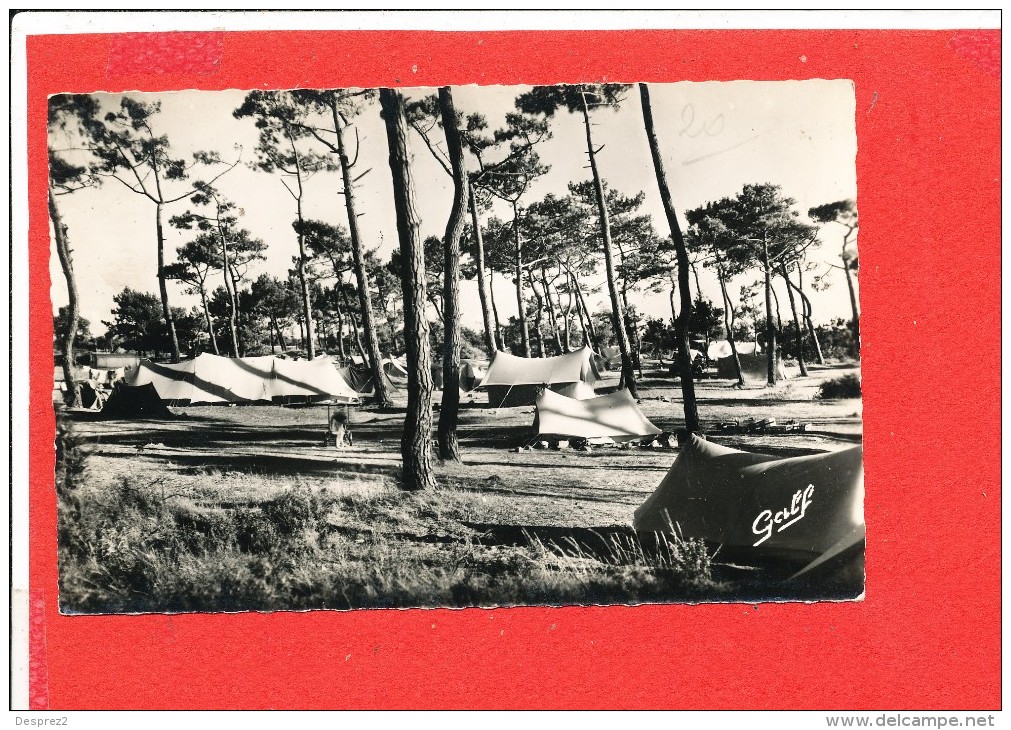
<point>689,127</point>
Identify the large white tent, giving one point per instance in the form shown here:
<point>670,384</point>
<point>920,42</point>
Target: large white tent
<point>515,381</point>
<point>754,363</point>
<point>721,348</point>
<point>615,416</point>
<point>299,380</point>
<point>210,379</point>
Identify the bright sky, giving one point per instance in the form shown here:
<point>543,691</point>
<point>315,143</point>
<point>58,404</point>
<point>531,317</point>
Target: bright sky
<point>715,138</point>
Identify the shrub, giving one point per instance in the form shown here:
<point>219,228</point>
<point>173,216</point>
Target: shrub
<point>140,547</point>
<point>847,386</point>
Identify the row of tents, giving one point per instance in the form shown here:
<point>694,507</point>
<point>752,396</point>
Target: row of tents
<point>809,508</point>
<point>212,379</point>
<point>560,387</point>
<point>509,380</point>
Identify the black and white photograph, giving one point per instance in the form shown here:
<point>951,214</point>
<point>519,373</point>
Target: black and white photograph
<point>334,349</point>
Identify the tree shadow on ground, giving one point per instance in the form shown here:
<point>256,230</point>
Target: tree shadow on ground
<point>575,464</point>
<point>501,437</point>
<point>270,464</point>
<point>550,490</point>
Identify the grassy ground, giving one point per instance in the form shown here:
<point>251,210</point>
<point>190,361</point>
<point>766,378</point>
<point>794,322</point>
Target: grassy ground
<point>233,508</point>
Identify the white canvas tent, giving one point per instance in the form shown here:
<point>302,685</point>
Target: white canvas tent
<point>721,348</point>
<point>472,373</point>
<point>515,381</point>
<point>309,380</point>
<point>210,379</point>
<point>610,356</point>
<point>754,363</point>
<point>395,367</point>
<point>615,416</point>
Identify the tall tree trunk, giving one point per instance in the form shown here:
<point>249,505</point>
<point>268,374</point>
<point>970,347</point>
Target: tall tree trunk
<point>617,314</point>
<point>586,311</point>
<point>449,444</point>
<point>808,312</point>
<point>633,330</point>
<point>353,323</point>
<point>672,298</point>
<point>303,285</point>
<point>798,337</point>
<point>811,331</point>
<point>494,309</point>
<point>538,317</point>
<point>520,304</point>
<point>683,321</point>
<point>240,316</point>
<point>415,445</point>
<point>552,314</point>
<point>69,336</point>
<point>170,319</point>
<point>233,304</point>
<point>391,330</point>
<point>568,313</point>
<point>339,312</point>
<point>772,371</point>
<point>855,322</point>
<point>330,328</point>
<point>434,300</point>
<point>728,322</point>
<point>779,315</point>
<point>695,275</point>
<point>319,327</point>
<point>381,394</point>
<point>277,328</point>
<point>490,341</point>
<point>207,320</point>
<point>580,312</point>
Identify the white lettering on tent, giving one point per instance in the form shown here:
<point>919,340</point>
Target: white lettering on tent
<point>769,522</point>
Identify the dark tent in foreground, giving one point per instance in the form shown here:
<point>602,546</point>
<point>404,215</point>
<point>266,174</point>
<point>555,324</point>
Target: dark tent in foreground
<point>135,401</point>
<point>805,509</point>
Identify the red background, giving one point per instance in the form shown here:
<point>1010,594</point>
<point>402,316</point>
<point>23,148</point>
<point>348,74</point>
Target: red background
<point>928,633</point>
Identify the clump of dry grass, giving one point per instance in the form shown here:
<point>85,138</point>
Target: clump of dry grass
<point>846,386</point>
<point>354,542</point>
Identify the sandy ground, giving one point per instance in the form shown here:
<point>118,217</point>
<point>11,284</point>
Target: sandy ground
<point>235,455</point>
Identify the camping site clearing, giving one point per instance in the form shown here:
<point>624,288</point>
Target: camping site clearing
<point>244,508</point>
